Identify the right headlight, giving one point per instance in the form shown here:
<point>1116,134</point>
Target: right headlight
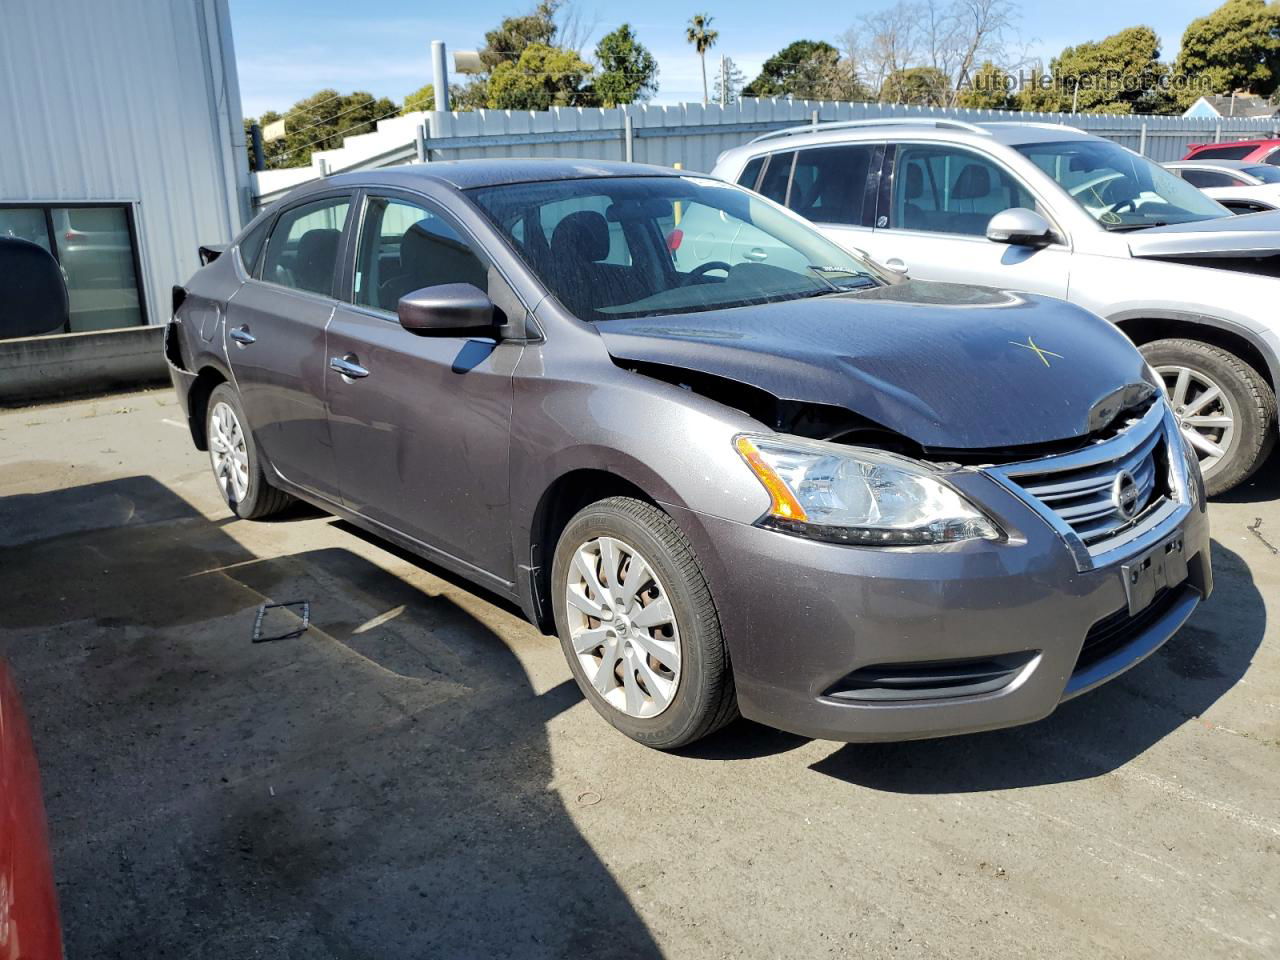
<point>855,495</point>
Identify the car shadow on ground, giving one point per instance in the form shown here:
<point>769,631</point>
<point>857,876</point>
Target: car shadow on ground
<point>1095,733</point>
<point>1262,487</point>
<point>378,786</point>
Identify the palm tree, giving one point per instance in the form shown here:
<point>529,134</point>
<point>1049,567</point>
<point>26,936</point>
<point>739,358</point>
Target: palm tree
<point>703,38</point>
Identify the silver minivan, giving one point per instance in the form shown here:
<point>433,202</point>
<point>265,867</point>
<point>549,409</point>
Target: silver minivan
<point>1049,209</point>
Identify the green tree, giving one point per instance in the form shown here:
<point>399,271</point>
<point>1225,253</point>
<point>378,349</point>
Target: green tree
<point>1236,47</point>
<point>730,91</point>
<point>923,86</point>
<point>628,71</point>
<point>987,88</point>
<point>321,122</point>
<point>810,70</point>
<point>542,78</point>
<point>461,99</point>
<point>514,35</point>
<point>703,38</point>
<point>1119,74</point>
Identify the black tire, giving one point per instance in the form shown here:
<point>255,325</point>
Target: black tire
<point>1252,400</point>
<point>705,699</point>
<point>261,500</point>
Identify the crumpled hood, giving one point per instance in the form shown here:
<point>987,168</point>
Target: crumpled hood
<point>943,364</point>
<point>1245,235</point>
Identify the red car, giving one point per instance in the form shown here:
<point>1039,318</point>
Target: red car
<point>1253,151</point>
<point>29,928</point>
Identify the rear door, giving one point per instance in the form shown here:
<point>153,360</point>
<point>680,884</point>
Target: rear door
<point>275,341</point>
<point>932,219</point>
<point>421,432</point>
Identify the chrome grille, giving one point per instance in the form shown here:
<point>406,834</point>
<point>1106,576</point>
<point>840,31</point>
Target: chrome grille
<point>1074,491</point>
<point>1084,497</point>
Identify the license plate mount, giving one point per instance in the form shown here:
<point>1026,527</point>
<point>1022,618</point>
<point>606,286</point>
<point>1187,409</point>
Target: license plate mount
<point>1164,565</point>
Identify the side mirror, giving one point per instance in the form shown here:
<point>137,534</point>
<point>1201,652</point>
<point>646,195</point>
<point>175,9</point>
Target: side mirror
<point>1021,227</point>
<point>448,308</point>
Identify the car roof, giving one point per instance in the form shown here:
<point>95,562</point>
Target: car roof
<point>1214,162</point>
<point>466,174</point>
<point>942,129</point>
<point>1265,142</point>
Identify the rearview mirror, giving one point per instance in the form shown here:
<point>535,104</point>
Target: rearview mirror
<point>446,309</point>
<point>1021,227</point>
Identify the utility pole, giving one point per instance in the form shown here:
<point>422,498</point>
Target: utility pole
<point>440,74</point>
<point>724,81</point>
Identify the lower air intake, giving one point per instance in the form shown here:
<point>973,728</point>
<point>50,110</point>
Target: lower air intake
<point>929,680</point>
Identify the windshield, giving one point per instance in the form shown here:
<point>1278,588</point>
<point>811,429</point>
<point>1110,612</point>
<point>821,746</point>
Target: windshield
<point>1118,188</point>
<point>1263,172</point>
<point>639,246</point>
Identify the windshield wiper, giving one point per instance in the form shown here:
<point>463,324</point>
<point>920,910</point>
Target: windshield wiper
<point>1122,227</point>
<point>856,281</point>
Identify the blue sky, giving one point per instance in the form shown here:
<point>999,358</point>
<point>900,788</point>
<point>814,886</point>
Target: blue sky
<point>288,49</point>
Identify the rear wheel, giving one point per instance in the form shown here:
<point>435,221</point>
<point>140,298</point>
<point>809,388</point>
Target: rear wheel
<point>1224,407</point>
<point>237,468</point>
<point>638,626</point>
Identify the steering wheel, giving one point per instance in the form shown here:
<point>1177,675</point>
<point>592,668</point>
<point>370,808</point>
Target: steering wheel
<point>700,271</point>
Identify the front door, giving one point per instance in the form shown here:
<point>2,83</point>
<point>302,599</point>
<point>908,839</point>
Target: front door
<point>275,342</point>
<point>939,200</point>
<point>421,426</point>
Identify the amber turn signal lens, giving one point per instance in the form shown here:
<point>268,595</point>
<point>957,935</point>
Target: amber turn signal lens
<point>784,504</point>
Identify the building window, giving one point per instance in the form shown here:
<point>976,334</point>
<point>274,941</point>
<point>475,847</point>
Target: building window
<point>96,249</point>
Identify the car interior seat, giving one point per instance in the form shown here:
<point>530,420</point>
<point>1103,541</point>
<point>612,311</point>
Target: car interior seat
<point>913,216</point>
<point>428,258</point>
<point>317,254</point>
<point>33,294</point>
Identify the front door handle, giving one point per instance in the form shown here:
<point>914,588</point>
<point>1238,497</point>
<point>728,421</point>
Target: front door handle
<point>348,367</point>
<point>242,336</point>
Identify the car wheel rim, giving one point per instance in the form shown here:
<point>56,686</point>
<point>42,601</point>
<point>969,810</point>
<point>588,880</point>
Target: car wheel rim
<point>229,454</point>
<point>622,627</point>
<point>1203,410</point>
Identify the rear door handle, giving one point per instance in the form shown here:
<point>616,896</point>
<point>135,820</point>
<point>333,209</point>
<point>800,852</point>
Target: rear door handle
<point>347,367</point>
<point>242,336</point>
<point>896,264</point>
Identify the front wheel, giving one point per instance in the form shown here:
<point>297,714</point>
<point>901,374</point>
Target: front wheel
<point>1224,407</point>
<point>638,626</point>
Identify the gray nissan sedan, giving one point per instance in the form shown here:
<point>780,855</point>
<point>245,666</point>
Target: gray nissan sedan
<point>734,467</point>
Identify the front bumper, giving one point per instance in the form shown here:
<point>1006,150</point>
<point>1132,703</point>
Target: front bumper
<point>801,617</point>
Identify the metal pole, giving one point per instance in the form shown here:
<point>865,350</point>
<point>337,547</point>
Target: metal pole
<point>420,143</point>
<point>814,117</point>
<point>1217,135</point>
<point>255,138</point>
<point>1142,140</point>
<point>628,136</point>
<point>440,74</point>
<point>426,139</point>
<point>724,81</point>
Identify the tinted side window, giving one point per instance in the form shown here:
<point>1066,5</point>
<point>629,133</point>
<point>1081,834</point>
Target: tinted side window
<point>303,250</point>
<point>252,244</point>
<point>948,190</point>
<point>777,174</point>
<point>1225,153</point>
<point>404,247</point>
<point>751,173</point>
<point>1210,178</point>
<point>829,184</point>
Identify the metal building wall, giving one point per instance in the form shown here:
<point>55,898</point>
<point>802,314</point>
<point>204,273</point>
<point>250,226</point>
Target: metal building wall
<point>132,101</point>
